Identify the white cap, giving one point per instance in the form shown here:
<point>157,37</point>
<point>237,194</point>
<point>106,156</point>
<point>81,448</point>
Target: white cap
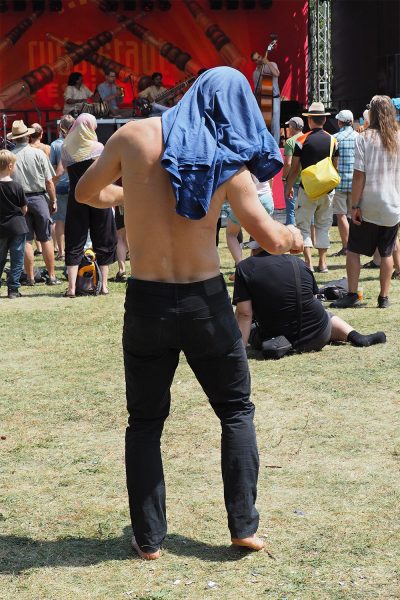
<point>346,116</point>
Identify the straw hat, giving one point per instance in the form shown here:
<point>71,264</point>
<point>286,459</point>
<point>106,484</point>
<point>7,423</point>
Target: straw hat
<point>18,130</point>
<point>316,109</point>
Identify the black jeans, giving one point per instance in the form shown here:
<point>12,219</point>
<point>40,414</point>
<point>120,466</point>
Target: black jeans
<point>161,319</point>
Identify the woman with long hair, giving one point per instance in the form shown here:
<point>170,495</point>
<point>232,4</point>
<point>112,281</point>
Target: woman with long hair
<point>80,149</point>
<point>375,199</point>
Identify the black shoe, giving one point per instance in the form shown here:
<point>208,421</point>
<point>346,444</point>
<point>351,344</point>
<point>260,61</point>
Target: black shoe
<point>37,253</point>
<point>348,301</point>
<point>53,281</point>
<point>13,293</point>
<point>371,265</point>
<point>28,282</point>
<point>383,302</point>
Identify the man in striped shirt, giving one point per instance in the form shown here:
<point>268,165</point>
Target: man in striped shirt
<point>346,139</point>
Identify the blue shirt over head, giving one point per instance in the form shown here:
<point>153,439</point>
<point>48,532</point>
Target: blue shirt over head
<point>210,134</point>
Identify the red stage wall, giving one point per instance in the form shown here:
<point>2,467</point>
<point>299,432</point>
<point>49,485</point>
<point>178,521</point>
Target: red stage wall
<point>249,30</point>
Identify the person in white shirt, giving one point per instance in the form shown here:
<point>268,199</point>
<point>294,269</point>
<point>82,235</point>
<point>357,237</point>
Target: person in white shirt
<point>375,210</point>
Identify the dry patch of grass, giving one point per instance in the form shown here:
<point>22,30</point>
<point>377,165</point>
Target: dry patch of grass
<point>329,444</point>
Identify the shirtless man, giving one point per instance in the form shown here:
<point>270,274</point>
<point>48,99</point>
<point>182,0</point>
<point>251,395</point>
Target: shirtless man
<point>177,300</point>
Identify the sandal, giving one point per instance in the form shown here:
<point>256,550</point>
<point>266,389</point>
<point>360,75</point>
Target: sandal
<point>121,277</point>
<point>67,294</point>
<point>396,275</point>
<point>341,252</point>
<point>321,269</point>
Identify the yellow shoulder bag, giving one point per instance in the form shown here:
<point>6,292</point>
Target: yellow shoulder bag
<point>321,178</point>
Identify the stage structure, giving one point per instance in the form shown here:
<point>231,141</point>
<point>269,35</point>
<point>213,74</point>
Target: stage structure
<point>40,53</point>
<point>320,52</point>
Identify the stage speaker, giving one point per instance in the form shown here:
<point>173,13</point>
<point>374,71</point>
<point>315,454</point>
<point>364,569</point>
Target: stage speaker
<point>104,131</point>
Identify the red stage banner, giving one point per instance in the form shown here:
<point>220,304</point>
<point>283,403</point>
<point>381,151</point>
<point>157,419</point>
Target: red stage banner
<point>167,41</point>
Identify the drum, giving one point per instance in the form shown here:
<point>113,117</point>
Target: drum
<point>100,110</point>
<point>142,107</point>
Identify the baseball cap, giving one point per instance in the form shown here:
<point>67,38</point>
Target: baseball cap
<point>297,122</point>
<point>346,116</point>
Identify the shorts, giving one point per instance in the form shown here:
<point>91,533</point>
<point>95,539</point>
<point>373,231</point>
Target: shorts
<point>320,340</point>
<point>60,214</point>
<point>267,202</point>
<point>342,203</point>
<point>119,218</point>
<point>367,237</point>
<point>38,219</point>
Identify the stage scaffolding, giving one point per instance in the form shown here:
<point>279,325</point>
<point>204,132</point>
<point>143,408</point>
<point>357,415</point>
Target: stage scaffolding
<point>319,59</point>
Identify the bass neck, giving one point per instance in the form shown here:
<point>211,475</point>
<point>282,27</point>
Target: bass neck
<point>171,92</point>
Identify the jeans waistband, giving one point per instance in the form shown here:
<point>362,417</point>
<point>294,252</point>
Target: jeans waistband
<point>155,297</point>
<point>28,194</point>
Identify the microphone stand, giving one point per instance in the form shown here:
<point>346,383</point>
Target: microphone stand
<point>130,77</point>
<point>4,119</point>
<point>35,106</point>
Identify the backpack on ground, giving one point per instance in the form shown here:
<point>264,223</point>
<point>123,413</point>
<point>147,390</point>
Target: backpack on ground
<point>332,290</point>
<point>89,279</point>
<point>40,275</point>
<point>321,178</point>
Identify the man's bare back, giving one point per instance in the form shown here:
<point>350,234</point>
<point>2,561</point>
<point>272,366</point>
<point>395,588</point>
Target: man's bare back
<point>165,246</point>
<point>163,317</point>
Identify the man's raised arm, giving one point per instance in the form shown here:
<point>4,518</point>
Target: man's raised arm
<point>271,235</point>
<point>95,186</point>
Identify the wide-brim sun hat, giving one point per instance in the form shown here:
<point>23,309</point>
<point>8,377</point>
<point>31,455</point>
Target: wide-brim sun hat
<point>18,130</point>
<point>316,109</point>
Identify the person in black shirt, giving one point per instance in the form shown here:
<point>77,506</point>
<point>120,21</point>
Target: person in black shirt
<point>265,288</point>
<point>13,227</point>
<point>310,148</point>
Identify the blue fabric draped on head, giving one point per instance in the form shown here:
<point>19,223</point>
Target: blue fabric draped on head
<point>210,134</point>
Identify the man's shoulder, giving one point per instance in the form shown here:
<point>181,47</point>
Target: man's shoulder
<point>27,150</point>
<point>57,143</point>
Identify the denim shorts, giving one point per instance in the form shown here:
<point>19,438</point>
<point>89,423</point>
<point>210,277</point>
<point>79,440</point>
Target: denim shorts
<point>60,214</point>
<point>267,202</point>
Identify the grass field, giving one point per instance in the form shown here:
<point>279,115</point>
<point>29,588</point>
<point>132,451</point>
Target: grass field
<point>329,441</point>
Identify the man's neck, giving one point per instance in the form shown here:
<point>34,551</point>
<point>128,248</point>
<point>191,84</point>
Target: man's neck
<point>5,176</point>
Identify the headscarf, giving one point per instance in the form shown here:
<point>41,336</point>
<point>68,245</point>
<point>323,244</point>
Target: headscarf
<point>81,142</point>
<point>210,134</point>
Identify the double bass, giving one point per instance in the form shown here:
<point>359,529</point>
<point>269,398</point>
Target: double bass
<point>263,90</point>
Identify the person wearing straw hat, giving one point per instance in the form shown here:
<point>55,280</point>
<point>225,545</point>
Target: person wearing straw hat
<point>310,148</point>
<point>35,173</point>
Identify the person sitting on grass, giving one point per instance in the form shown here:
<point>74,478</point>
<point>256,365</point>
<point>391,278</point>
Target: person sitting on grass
<point>265,288</point>
<point>13,227</point>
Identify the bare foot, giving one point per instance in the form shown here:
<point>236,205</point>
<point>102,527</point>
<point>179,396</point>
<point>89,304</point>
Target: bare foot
<point>252,543</point>
<point>144,555</point>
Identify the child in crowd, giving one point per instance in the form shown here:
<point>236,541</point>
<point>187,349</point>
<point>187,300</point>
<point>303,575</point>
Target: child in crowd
<point>13,227</point>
